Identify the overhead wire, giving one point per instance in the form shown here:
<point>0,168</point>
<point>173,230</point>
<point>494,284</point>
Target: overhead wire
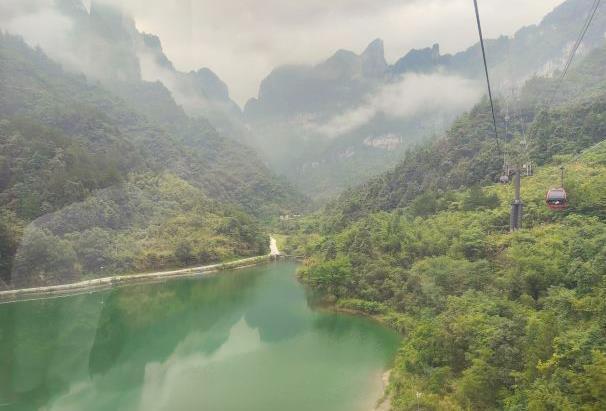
<point>582,153</point>
<point>584,29</point>
<point>575,47</point>
<point>577,44</point>
<point>494,117</point>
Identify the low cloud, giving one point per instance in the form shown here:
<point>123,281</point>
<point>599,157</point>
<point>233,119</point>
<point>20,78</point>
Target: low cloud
<point>42,26</point>
<point>414,94</point>
<point>243,40</point>
<point>152,71</point>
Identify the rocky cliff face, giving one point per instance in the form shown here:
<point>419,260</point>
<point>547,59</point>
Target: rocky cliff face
<point>321,90</point>
<point>422,60</point>
<point>373,59</point>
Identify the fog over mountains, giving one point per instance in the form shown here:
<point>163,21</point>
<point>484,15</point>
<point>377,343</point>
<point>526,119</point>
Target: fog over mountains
<point>323,126</point>
<point>353,115</point>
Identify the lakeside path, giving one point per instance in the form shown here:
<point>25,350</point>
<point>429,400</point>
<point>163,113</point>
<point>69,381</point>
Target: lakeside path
<point>113,281</point>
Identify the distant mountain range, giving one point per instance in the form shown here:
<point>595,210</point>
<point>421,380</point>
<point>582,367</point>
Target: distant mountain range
<point>334,124</point>
<point>331,125</point>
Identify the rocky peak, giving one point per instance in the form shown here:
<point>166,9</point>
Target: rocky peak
<point>210,84</point>
<point>435,51</point>
<point>113,43</point>
<point>111,23</point>
<point>72,8</point>
<point>371,62</point>
<point>373,59</point>
<point>341,58</point>
<point>153,45</point>
<point>375,50</point>
<point>419,60</point>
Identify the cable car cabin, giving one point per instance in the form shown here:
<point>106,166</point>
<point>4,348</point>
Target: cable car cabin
<point>556,199</point>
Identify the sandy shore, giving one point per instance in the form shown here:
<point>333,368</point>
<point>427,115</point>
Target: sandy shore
<point>384,403</point>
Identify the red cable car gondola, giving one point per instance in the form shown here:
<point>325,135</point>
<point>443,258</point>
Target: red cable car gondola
<point>556,199</point>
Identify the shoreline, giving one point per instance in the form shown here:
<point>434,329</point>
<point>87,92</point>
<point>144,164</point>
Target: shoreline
<point>383,403</point>
<point>97,284</point>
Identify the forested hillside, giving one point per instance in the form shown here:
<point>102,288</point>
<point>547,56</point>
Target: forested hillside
<point>179,192</point>
<point>114,162</point>
<point>34,87</point>
<point>467,153</point>
<point>491,319</point>
<point>104,42</point>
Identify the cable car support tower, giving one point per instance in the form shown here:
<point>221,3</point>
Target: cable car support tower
<point>517,206</point>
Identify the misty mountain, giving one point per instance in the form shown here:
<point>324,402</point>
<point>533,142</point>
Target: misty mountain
<point>343,78</point>
<point>83,170</point>
<point>537,49</point>
<point>330,125</point>
<point>104,43</point>
<point>34,87</point>
<point>465,155</point>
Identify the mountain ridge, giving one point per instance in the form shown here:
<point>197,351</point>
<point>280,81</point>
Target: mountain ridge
<point>91,184</point>
<point>332,108</point>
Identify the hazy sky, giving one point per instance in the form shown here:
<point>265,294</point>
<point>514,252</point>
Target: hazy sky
<point>243,40</point>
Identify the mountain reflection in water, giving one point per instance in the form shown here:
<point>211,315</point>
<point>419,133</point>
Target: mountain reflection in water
<point>244,340</point>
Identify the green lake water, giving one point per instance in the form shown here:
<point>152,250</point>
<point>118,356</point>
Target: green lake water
<point>237,341</point>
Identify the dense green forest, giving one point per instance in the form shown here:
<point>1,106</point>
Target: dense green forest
<point>104,177</point>
<point>491,319</point>
<point>98,182</point>
<point>148,222</point>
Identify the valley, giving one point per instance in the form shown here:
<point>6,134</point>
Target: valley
<point>358,208</point>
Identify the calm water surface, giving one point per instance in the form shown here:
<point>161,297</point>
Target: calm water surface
<point>237,341</point>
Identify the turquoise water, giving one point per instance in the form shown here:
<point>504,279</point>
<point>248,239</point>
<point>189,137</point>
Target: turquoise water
<point>236,341</point>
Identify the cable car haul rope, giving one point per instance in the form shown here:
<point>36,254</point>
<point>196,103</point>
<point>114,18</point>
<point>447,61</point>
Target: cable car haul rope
<point>494,117</point>
<point>556,198</point>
